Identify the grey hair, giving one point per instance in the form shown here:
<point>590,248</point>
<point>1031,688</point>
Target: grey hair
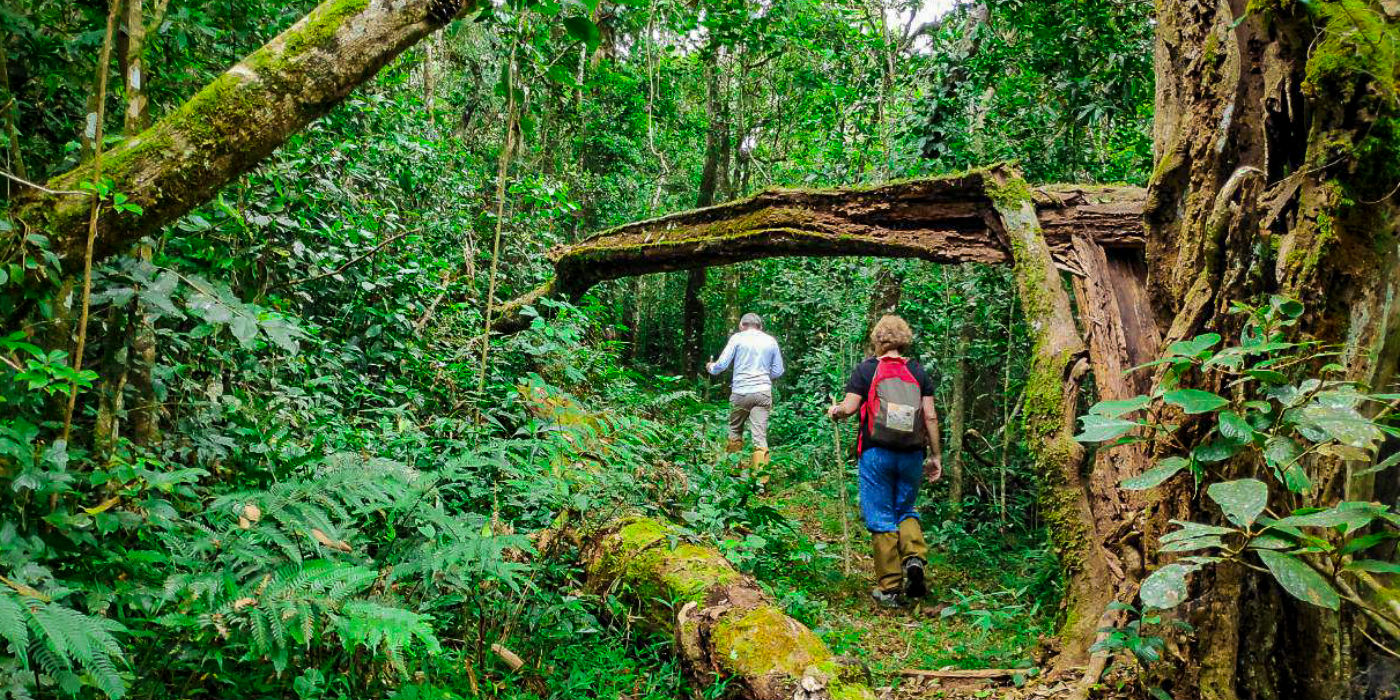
<point>751,321</point>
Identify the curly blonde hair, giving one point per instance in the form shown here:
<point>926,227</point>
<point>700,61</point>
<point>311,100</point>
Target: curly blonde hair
<point>890,333</point>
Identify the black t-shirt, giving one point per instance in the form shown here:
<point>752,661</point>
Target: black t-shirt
<point>864,374</point>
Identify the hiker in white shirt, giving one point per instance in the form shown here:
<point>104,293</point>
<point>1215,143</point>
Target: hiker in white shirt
<point>756,361</point>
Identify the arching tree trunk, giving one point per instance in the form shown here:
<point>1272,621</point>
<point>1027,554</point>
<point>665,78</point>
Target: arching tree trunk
<point>1276,153</point>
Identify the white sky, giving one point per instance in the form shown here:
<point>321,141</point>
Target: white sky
<point>928,11</point>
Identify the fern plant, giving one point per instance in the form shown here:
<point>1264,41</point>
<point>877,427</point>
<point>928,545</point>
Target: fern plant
<point>68,646</point>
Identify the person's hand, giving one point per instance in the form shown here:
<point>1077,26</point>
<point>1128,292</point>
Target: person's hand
<point>834,413</point>
<point>710,367</point>
<point>933,467</point>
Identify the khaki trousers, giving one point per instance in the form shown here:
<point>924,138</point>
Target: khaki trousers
<point>752,409</point>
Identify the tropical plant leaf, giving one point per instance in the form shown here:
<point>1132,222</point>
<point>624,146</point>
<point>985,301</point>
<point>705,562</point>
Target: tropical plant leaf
<point>1300,580</point>
<point>1195,400</point>
<point>1166,587</point>
<point>1165,469</point>
<point>1242,500</point>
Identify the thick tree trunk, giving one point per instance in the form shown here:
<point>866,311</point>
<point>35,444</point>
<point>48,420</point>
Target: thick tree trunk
<point>234,122</point>
<point>1275,148</point>
<point>693,323</point>
<point>712,182</point>
<point>885,296</point>
<point>1052,389</point>
<point>726,629</point>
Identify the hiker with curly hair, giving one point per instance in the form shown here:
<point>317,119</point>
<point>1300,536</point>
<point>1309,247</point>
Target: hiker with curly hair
<point>898,426</point>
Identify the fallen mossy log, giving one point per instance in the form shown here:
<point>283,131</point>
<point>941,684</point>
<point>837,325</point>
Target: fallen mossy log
<point>725,627</point>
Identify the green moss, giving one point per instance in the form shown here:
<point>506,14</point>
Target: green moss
<point>763,640</point>
<point>630,537</point>
<point>1009,194</point>
<point>321,26</point>
<point>1356,52</point>
<point>679,575</point>
<point>217,112</point>
<point>1314,240</point>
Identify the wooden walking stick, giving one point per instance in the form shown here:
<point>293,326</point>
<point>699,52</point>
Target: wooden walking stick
<point>845,508</point>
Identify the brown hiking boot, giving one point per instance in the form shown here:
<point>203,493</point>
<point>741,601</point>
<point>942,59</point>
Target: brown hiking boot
<point>734,445</point>
<point>760,458</point>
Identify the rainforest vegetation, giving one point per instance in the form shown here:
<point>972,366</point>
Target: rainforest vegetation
<point>357,349</point>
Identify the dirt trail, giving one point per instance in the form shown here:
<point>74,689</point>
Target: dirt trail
<point>975,616</point>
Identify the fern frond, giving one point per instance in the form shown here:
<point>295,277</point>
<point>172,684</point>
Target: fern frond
<point>13,626</point>
<point>386,630</point>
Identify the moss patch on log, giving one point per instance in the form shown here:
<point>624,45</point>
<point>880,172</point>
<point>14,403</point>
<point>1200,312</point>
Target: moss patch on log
<point>321,26</point>
<point>724,625</point>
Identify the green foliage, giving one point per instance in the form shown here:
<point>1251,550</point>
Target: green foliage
<point>72,648</point>
<point>1282,421</point>
<point>281,479</point>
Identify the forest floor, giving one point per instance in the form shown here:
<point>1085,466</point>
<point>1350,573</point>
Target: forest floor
<point>986,608</point>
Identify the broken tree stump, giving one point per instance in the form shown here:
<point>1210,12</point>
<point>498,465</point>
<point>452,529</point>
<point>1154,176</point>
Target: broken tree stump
<point>725,627</point>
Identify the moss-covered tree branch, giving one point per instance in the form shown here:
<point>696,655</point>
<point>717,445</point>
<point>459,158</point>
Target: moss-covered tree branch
<point>234,122</point>
<point>939,219</point>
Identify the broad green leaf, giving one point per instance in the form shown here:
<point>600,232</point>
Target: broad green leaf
<point>1382,465</point>
<point>1190,530</point>
<point>1352,515</point>
<point>1267,376</point>
<point>1342,422</point>
<point>1115,409</point>
<point>1267,541</point>
<point>1374,566</point>
<point>583,29</point>
<point>244,328</point>
<point>1196,347</point>
<point>1166,587</point>
<point>1195,543</point>
<point>1194,400</point>
<point>1242,500</point>
<point>1290,308</point>
<point>1281,450</point>
<point>1295,479</point>
<point>1365,542</point>
<point>1299,579</point>
<point>1234,428</point>
<point>1164,470</point>
<point>1101,429</point>
<point>1215,451</point>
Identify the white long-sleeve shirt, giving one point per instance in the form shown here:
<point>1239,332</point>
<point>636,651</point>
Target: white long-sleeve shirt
<point>756,359</point>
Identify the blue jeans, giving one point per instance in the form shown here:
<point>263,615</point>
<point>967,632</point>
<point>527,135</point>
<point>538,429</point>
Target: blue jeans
<point>889,484</point>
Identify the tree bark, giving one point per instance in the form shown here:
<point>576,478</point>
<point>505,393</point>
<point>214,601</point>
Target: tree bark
<point>233,123</point>
<point>726,629</point>
<point>1052,389</point>
<point>712,182</point>
<point>957,401</point>
<point>884,298</point>
<point>11,108</point>
<point>1274,175</point>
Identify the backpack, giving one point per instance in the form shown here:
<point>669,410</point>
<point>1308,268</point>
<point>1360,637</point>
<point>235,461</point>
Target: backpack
<point>893,412</point>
